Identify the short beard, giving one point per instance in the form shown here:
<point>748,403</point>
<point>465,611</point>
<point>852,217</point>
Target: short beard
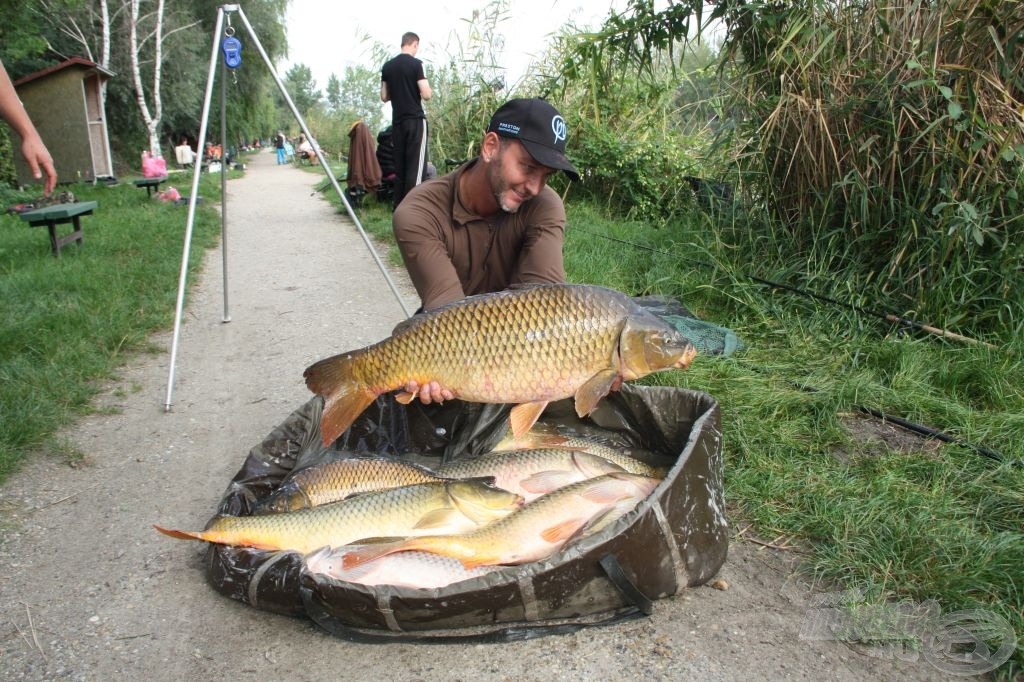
<point>499,186</point>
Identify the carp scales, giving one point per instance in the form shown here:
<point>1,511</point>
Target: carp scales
<point>541,440</point>
<point>531,473</point>
<point>452,507</point>
<point>404,569</point>
<point>533,533</point>
<point>341,478</point>
<point>527,346</point>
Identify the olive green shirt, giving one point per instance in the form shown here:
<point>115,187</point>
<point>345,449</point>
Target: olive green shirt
<point>451,253</point>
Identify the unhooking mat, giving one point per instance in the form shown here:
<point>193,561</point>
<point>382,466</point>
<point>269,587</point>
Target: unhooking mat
<point>674,539</point>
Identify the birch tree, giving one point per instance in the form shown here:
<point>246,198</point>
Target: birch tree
<point>138,41</point>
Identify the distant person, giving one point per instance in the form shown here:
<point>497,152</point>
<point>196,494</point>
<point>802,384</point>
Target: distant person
<point>32,148</point>
<point>279,146</point>
<point>305,149</point>
<point>184,155</point>
<point>403,84</point>
<point>493,222</point>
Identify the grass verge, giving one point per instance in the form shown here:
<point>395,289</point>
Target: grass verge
<point>67,323</point>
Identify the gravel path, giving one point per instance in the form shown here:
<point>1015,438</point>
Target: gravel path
<point>89,591</point>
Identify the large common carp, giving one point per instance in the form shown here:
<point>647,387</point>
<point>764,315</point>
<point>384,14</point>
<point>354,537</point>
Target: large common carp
<point>453,507</point>
<point>528,346</point>
<point>531,473</point>
<point>402,569</point>
<point>533,533</point>
<point>341,478</point>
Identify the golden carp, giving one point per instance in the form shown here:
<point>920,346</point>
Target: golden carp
<point>531,473</point>
<point>528,346</point>
<point>338,479</point>
<point>403,569</point>
<point>535,532</point>
<point>452,507</point>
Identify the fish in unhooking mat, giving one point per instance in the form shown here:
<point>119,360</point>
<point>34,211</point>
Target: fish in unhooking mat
<point>402,569</point>
<point>341,478</point>
<point>531,473</point>
<point>542,436</point>
<point>533,533</point>
<point>528,346</point>
<point>453,507</point>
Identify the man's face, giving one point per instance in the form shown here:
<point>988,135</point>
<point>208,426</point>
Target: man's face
<point>515,177</point>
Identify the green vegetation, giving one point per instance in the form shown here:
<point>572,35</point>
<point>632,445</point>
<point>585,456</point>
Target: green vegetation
<point>866,151</point>
<point>67,323</point>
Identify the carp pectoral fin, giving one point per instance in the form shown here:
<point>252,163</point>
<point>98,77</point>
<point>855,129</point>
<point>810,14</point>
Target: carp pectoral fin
<point>594,466</point>
<point>546,481</point>
<point>561,532</point>
<point>524,416</point>
<point>405,397</point>
<point>607,491</point>
<point>596,387</point>
<point>439,519</point>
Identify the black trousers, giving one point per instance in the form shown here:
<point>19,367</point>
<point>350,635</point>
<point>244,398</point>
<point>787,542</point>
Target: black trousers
<point>409,138</point>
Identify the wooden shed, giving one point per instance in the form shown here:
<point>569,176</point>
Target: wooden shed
<point>65,103</point>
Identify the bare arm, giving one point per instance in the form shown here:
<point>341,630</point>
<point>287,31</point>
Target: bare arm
<point>385,96</point>
<point>32,148</point>
<point>425,91</point>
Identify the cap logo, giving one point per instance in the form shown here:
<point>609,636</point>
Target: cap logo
<point>558,128</point>
<point>509,128</point>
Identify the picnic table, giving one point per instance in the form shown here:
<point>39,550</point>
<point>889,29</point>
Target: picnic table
<point>58,214</point>
<point>151,184</point>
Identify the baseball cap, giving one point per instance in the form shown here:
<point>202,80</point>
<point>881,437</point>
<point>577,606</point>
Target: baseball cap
<point>539,127</point>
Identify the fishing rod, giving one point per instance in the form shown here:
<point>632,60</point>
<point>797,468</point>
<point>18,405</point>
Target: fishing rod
<point>920,429</point>
<point>889,317</point>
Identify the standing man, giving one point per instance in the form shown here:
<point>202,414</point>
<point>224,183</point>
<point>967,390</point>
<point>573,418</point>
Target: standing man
<point>403,84</point>
<point>494,222</point>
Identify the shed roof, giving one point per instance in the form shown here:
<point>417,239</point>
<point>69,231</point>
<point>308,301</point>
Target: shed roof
<point>76,62</point>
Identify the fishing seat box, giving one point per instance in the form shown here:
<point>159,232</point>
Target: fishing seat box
<point>674,539</point>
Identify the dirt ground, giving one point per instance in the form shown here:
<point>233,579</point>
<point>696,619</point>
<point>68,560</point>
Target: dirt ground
<point>89,591</point>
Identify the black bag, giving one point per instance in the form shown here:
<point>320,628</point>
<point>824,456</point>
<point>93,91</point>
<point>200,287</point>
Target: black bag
<point>674,539</point>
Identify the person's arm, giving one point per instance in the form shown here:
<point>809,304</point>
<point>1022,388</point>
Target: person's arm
<point>425,91</point>
<point>418,235</point>
<point>385,96</point>
<point>541,260</point>
<point>32,148</point>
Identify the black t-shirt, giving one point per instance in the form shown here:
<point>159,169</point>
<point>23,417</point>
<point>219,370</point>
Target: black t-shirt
<point>401,75</point>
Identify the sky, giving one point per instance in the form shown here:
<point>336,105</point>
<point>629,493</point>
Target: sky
<point>325,35</point>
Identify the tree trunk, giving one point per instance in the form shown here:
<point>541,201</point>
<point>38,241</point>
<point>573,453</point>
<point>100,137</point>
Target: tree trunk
<point>151,117</point>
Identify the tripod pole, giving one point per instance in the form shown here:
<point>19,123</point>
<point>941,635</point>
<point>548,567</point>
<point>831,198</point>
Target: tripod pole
<point>224,182</point>
<point>193,196</point>
<point>325,166</point>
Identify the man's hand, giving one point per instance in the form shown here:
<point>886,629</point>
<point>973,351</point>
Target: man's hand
<point>430,392</point>
<point>39,162</point>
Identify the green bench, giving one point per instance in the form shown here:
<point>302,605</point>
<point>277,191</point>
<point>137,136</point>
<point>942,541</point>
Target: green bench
<point>58,214</point>
<point>151,184</point>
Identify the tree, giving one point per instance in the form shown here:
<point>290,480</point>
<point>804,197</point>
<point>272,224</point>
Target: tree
<point>333,93</point>
<point>299,82</point>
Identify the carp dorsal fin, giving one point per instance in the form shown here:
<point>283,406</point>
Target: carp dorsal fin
<point>595,388</point>
<point>524,416</point>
